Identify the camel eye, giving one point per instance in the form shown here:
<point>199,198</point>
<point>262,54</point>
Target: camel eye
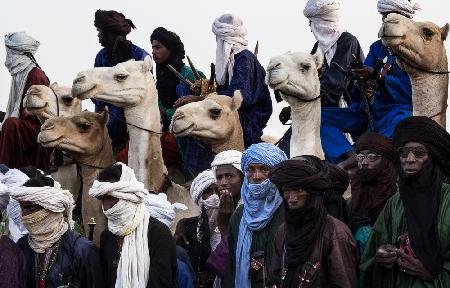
<point>305,67</point>
<point>215,113</point>
<point>84,127</point>
<point>67,100</point>
<point>120,77</point>
<point>428,33</point>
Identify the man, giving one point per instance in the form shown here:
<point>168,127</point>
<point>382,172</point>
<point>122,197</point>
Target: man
<point>136,250</point>
<point>254,224</point>
<point>113,29</point>
<point>312,248</point>
<point>18,135</point>
<point>56,255</point>
<point>168,49</point>
<point>409,244</point>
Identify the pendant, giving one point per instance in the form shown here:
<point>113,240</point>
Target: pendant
<point>41,283</point>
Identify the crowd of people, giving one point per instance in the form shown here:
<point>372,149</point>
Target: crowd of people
<point>264,220</point>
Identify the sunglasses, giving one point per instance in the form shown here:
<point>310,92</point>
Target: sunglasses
<point>371,157</point>
<point>418,152</point>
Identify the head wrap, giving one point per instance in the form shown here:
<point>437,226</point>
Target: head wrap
<point>325,24</point>
<point>229,157</point>
<point>4,196</point>
<point>230,37</point>
<point>128,218</point>
<point>260,201</point>
<point>377,143</point>
<point>113,22</point>
<point>161,209</point>
<point>20,50</point>
<point>201,183</point>
<point>170,40</point>
<point>404,7</point>
<point>338,177</point>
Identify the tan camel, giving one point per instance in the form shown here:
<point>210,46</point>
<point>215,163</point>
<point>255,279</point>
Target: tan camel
<point>214,120</point>
<point>419,49</point>
<point>131,86</point>
<point>85,138</point>
<point>295,76</point>
<point>41,101</point>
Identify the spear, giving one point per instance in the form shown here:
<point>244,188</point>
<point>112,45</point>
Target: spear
<point>174,71</point>
<point>91,225</point>
<point>256,49</point>
<point>213,74</point>
<point>196,74</point>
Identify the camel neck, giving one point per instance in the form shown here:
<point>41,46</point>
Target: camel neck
<point>234,141</point>
<point>102,159</point>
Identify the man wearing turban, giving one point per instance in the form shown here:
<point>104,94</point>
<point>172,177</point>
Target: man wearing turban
<point>311,248</point>
<point>113,29</point>
<point>409,244</point>
<point>19,130</point>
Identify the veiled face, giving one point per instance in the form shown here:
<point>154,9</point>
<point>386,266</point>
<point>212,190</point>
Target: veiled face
<point>29,208</point>
<point>295,198</point>
<point>411,163</point>
<point>257,173</point>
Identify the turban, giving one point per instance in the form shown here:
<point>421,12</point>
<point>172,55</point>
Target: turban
<point>427,132</point>
<point>201,183</point>
<point>230,36</point>
<point>4,196</point>
<point>170,40</point>
<point>161,209</point>
<point>404,7</point>
<point>262,153</point>
<point>229,157</point>
<point>113,22</point>
<point>377,143</point>
<point>338,177</point>
<point>304,172</point>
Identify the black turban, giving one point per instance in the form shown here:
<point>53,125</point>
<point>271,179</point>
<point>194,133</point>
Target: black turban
<point>427,132</point>
<point>113,22</point>
<point>338,177</point>
<point>170,40</point>
<point>377,143</point>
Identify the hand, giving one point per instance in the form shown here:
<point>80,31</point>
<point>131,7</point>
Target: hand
<point>187,99</point>
<point>226,204</point>
<point>412,266</point>
<point>363,72</point>
<point>386,256</point>
<point>180,235</point>
<point>285,115</point>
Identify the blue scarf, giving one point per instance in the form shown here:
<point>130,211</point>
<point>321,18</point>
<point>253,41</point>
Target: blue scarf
<point>260,201</point>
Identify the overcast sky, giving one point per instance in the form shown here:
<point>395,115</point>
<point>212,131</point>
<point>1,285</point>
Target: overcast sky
<point>69,40</point>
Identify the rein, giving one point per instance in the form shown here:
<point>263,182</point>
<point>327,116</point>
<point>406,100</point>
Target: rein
<point>57,101</point>
<point>81,163</point>
<point>278,96</point>
<point>135,126</point>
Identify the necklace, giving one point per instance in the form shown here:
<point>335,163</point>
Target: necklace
<point>49,260</point>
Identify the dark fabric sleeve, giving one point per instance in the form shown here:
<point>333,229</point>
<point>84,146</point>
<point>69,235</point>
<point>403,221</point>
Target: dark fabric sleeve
<point>91,268</point>
<point>342,263</point>
<point>233,229</point>
<point>277,257</point>
<point>163,260</point>
<point>35,77</point>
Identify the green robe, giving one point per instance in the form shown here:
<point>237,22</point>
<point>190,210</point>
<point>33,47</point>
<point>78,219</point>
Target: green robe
<point>389,226</point>
<point>261,241</point>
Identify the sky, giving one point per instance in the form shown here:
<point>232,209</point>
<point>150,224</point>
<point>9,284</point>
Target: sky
<point>69,40</point>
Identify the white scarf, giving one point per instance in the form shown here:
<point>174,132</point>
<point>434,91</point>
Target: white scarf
<point>201,183</point>
<point>325,24</point>
<point>229,157</point>
<point>212,205</point>
<point>128,218</point>
<point>4,196</point>
<point>230,37</point>
<point>404,7</point>
<point>159,208</point>
<point>19,65</point>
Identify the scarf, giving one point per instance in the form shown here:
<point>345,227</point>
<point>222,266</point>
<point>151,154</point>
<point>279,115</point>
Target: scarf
<point>211,205</point>
<point>201,183</point>
<point>260,201</point>
<point>167,82</point>
<point>20,49</point>
<point>230,37</point>
<point>128,218</point>
<point>404,7</point>
<point>4,196</point>
<point>159,208</point>
<point>325,24</point>
<point>229,157</point>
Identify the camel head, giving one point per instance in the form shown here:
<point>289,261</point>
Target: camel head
<point>212,120</point>
<point>81,135</point>
<point>295,75</point>
<point>415,44</point>
<point>41,101</point>
<point>124,85</point>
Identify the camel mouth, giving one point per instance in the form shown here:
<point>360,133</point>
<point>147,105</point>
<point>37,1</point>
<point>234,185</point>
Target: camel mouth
<point>46,142</point>
<point>181,130</point>
<point>82,92</point>
<point>34,108</point>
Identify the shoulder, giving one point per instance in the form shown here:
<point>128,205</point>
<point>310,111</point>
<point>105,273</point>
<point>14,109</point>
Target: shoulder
<point>377,45</point>
<point>245,56</point>
<point>7,244</point>
<point>337,230</point>
<point>157,228</point>
<point>348,39</point>
<point>37,75</point>
<point>101,54</point>
<point>138,52</point>
<point>80,244</point>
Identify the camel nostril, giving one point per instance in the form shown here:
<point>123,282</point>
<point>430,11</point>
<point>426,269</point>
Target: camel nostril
<point>47,126</point>
<point>79,79</point>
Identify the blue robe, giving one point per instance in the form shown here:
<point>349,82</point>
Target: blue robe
<point>117,130</point>
<point>256,108</point>
<point>392,103</point>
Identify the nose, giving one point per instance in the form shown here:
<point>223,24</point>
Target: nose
<point>178,115</point>
<point>410,157</point>
<point>48,125</point>
<point>274,66</point>
<point>80,79</point>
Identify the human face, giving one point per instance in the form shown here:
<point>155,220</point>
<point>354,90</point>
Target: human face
<point>368,160</point>
<point>101,38</point>
<point>211,190</point>
<point>228,180</point>
<point>412,157</point>
<point>29,208</point>
<point>257,173</point>
<point>108,202</point>
<point>295,198</point>
<point>160,52</point>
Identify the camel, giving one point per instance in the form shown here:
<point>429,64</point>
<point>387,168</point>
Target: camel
<point>131,86</point>
<point>294,75</point>
<point>48,102</point>
<point>214,120</point>
<point>84,137</point>
<point>419,49</point>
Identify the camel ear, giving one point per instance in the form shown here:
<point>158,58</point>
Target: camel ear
<point>318,58</point>
<point>148,64</point>
<point>236,101</point>
<point>54,85</point>
<point>444,31</point>
<point>104,117</point>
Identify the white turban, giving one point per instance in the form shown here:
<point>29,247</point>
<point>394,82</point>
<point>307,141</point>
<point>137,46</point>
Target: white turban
<point>19,65</point>
<point>161,209</point>
<point>403,7</point>
<point>229,157</point>
<point>201,183</point>
<point>325,24</point>
<point>4,195</point>
<point>230,37</point>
